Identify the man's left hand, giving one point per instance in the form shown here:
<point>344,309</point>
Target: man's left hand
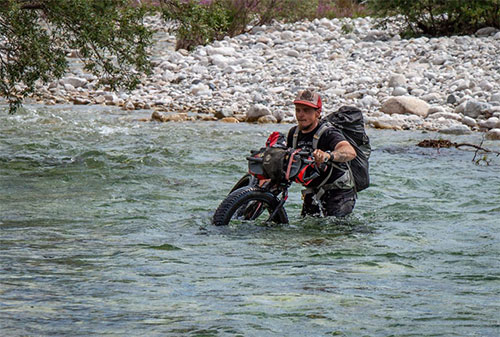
<point>320,156</point>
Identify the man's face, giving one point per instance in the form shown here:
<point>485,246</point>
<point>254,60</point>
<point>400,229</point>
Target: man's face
<point>307,117</point>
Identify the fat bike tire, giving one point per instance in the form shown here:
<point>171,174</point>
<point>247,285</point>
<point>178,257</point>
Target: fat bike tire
<point>246,180</point>
<point>248,203</point>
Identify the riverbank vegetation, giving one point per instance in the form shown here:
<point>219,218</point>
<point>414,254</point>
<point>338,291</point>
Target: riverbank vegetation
<point>438,18</point>
<point>112,40</point>
<point>202,21</point>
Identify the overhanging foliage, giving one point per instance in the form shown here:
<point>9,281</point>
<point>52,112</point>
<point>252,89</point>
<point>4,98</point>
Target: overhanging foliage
<point>440,17</point>
<point>35,37</point>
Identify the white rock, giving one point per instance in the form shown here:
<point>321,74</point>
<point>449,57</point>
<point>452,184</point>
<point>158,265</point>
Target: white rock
<point>399,91</point>
<point>369,101</point>
<point>277,90</point>
<point>76,82</point>
<point>432,97</point>
<point>267,119</point>
<point>365,80</point>
<point>100,99</point>
<point>485,85</point>
<point>397,80</point>
<point>336,92</point>
<point>386,122</point>
<point>439,59</point>
<point>434,109</point>
<point>256,111</point>
<point>199,89</point>
<point>493,134</point>
<point>68,87</point>
<point>219,60</point>
<point>461,84</point>
<point>163,101</point>
<point>445,115</point>
<point>263,39</point>
<point>225,51</point>
<point>490,123</point>
<point>460,109</point>
<point>469,121</point>
<point>129,106</point>
<point>405,105</point>
<point>168,66</point>
<point>244,63</point>
<point>457,130</point>
<point>230,69</point>
<point>326,23</point>
<point>111,98</point>
<point>417,92</point>
<point>175,57</point>
<point>287,35</point>
<point>278,114</point>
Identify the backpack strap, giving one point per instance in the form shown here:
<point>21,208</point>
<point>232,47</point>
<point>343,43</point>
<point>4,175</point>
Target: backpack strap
<point>295,137</point>
<point>316,137</point>
<point>319,133</point>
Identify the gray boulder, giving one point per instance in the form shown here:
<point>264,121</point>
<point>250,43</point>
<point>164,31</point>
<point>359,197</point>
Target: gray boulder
<point>495,97</point>
<point>224,113</point>
<point>256,111</point>
<point>76,82</point>
<point>474,108</point>
<point>486,31</point>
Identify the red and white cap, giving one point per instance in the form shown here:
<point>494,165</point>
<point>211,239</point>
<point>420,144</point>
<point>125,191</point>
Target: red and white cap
<point>309,98</point>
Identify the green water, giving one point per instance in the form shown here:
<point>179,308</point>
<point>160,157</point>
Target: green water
<point>105,230</point>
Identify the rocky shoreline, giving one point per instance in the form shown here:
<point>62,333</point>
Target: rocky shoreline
<point>449,84</point>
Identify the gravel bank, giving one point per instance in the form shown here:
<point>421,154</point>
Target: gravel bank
<point>450,84</point>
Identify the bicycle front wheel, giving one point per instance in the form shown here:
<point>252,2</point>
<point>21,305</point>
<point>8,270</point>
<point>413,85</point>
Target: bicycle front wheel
<point>248,203</point>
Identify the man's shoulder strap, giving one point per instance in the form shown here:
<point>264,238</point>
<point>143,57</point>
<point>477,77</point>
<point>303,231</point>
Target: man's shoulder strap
<point>323,127</point>
<point>295,137</point>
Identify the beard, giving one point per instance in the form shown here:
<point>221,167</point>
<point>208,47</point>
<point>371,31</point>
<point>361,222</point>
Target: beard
<point>308,127</point>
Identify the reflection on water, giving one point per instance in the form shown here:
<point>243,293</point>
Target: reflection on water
<point>105,229</point>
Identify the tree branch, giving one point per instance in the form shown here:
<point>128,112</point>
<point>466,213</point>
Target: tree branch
<point>29,4</point>
<point>444,143</point>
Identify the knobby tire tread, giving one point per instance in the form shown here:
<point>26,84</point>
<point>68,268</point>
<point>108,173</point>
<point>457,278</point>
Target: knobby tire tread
<point>235,199</point>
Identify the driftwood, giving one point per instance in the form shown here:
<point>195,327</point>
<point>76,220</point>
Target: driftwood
<point>445,143</point>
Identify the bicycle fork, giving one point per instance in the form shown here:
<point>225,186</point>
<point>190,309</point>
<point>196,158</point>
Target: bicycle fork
<point>284,197</point>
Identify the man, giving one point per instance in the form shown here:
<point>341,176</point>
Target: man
<point>331,194</point>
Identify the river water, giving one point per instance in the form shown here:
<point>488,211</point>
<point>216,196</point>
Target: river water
<point>105,230</point>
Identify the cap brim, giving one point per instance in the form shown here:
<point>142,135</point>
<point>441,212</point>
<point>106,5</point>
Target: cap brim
<point>306,103</point>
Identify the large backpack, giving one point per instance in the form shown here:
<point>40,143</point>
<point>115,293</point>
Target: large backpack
<point>349,120</point>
